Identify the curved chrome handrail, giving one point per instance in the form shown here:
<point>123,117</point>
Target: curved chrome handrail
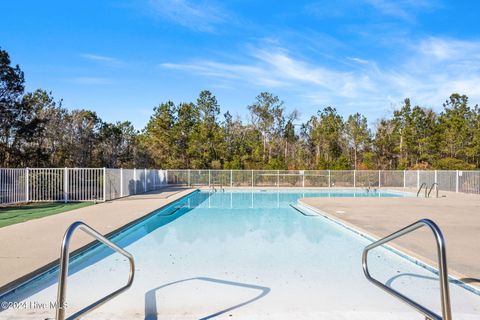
<point>442,270</point>
<point>431,188</point>
<point>420,189</point>
<point>63,272</point>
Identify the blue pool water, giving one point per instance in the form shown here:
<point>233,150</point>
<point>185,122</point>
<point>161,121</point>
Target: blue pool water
<point>246,255</point>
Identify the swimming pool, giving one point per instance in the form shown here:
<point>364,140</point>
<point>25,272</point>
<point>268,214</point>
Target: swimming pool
<point>240,254</point>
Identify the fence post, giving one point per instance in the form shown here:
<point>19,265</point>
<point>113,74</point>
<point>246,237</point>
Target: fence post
<point>104,184</point>
<point>252,178</point>
<point>188,177</point>
<point>404,178</point>
<point>121,182</point>
<point>155,174</point>
<point>278,178</point>
<point>27,185</point>
<point>144,179</point>
<point>436,176</point>
<point>354,178</point>
<point>209,177</point>
<point>65,185</point>
<point>329,178</point>
<point>379,178</point>
<point>418,179</point>
<point>166,176</point>
<point>303,179</point>
<point>134,180</point>
<point>231,178</point>
<point>456,181</point>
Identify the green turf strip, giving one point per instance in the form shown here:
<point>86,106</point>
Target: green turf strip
<point>20,213</point>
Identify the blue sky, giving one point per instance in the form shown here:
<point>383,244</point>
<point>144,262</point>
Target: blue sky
<point>121,58</point>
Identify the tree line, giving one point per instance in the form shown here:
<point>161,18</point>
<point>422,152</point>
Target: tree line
<point>37,131</point>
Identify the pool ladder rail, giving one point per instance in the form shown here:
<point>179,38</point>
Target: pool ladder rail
<point>63,272</point>
<point>431,188</point>
<point>442,270</point>
<point>427,190</point>
<point>212,187</point>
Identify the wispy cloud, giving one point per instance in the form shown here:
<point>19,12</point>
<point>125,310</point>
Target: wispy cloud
<point>275,68</point>
<point>104,60</point>
<point>440,66</point>
<point>434,68</point>
<point>450,49</point>
<point>358,60</point>
<point>201,16</point>
<point>401,9</point>
<point>404,9</point>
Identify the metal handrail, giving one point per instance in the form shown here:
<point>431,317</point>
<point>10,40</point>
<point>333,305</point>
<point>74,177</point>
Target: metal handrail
<point>213,184</point>
<point>420,189</point>
<point>442,270</point>
<point>436,189</point>
<point>63,273</point>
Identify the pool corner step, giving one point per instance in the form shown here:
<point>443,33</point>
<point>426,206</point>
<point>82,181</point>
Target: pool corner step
<point>303,210</point>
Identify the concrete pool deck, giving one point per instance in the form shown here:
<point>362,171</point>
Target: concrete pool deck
<point>34,246</point>
<point>458,216</point>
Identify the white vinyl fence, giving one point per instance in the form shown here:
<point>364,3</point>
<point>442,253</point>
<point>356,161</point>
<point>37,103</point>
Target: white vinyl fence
<point>101,184</point>
<point>447,180</point>
<point>75,184</point>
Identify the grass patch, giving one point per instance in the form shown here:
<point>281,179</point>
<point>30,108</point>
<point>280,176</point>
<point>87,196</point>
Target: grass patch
<point>20,213</point>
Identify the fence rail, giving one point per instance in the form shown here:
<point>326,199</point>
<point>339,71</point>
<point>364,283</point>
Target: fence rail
<point>101,184</point>
<point>448,180</point>
<point>75,184</point>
